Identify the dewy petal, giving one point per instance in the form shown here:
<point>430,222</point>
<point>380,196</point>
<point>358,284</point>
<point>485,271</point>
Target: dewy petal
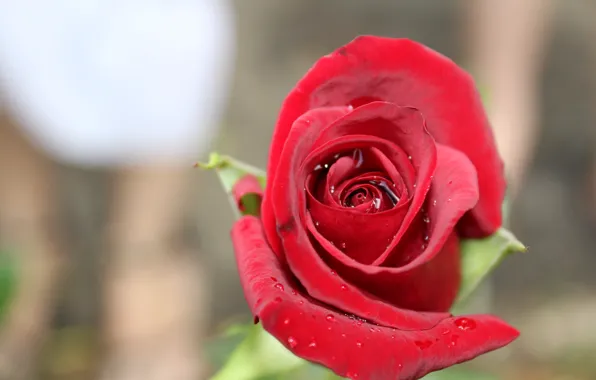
<point>405,127</point>
<point>323,119</point>
<point>288,200</point>
<point>385,159</point>
<point>431,280</point>
<point>360,235</point>
<point>406,73</point>
<point>351,347</point>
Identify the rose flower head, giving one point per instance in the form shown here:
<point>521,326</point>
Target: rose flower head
<point>382,161</point>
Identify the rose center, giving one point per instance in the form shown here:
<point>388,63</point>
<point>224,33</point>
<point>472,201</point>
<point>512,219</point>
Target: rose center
<point>377,194</point>
<point>357,197</point>
<point>360,178</point>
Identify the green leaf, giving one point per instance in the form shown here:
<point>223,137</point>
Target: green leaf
<point>8,281</point>
<point>455,373</point>
<point>220,348</point>
<point>480,256</point>
<point>259,356</point>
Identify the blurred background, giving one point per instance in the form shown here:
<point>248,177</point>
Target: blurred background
<point>118,252</point>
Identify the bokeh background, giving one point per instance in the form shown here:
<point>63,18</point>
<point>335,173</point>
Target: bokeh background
<point>82,318</point>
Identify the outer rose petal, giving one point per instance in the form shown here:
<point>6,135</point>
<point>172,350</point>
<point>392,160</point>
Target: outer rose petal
<point>289,201</point>
<point>406,73</point>
<point>351,348</point>
<point>325,118</point>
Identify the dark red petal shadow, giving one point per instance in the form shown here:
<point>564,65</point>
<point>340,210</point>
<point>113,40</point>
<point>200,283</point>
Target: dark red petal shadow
<point>406,73</point>
<point>288,201</point>
<point>350,347</point>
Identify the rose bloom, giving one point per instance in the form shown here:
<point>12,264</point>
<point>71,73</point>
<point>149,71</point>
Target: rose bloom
<point>382,160</point>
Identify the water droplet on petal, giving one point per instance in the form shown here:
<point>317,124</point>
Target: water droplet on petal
<point>326,166</point>
<point>292,342</point>
<point>414,186</point>
<point>423,344</point>
<point>287,321</point>
<point>344,287</point>
<point>465,324</point>
<point>454,340</point>
<point>343,245</point>
<point>435,202</point>
<point>312,344</point>
<point>377,203</point>
<point>448,199</point>
<point>343,335</point>
<point>359,344</point>
<point>426,219</point>
<point>446,331</point>
<point>409,157</point>
<point>426,238</point>
<point>279,286</point>
<point>333,273</point>
<point>352,375</point>
<point>301,302</point>
<point>332,189</point>
<point>317,224</point>
<point>330,318</point>
<point>392,336</point>
<point>358,157</point>
<point>294,292</point>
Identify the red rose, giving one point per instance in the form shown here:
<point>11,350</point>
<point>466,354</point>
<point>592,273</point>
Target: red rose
<point>381,160</point>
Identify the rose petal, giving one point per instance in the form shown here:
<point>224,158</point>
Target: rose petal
<point>369,161</point>
<point>406,73</point>
<point>390,157</point>
<point>362,236</point>
<point>406,128</point>
<point>430,281</point>
<point>350,347</point>
<point>401,125</point>
<point>288,201</point>
<point>322,120</point>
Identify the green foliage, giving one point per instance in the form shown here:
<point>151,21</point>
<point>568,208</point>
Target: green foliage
<point>258,357</point>
<point>457,373</point>
<point>480,256</point>
<point>8,281</point>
